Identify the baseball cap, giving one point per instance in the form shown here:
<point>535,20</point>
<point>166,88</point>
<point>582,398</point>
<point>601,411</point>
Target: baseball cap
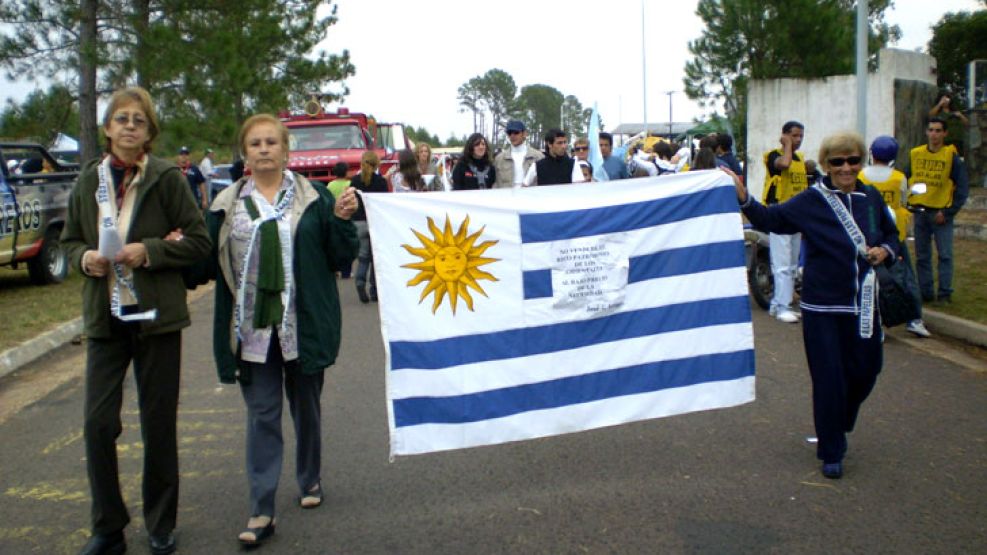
<point>183,150</point>
<point>515,125</point>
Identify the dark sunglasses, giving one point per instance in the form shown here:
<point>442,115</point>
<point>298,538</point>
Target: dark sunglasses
<point>513,132</point>
<point>839,161</point>
<point>580,148</point>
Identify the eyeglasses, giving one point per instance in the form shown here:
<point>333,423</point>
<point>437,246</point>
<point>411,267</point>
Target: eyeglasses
<point>580,148</point>
<point>513,132</point>
<point>838,161</point>
<point>137,120</point>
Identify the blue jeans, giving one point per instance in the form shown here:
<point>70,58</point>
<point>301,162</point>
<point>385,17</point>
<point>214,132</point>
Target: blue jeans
<point>903,274</point>
<point>925,231</point>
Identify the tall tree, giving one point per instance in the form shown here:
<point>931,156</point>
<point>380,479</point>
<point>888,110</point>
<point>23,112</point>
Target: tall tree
<point>764,39</point>
<point>498,91</point>
<point>42,116</point>
<point>957,39</point>
<point>575,118</point>
<point>540,107</point>
<point>469,100</point>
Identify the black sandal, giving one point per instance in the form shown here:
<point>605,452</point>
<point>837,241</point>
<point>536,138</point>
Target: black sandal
<point>260,534</point>
<point>312,498</point>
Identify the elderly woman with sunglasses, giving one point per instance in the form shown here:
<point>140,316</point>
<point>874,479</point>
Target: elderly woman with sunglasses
<point>847,230</point>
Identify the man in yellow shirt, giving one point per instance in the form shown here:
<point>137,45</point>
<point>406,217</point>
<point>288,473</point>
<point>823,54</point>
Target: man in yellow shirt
<point>893,186</point>
<point>942,170</point>
<point>785,178</point>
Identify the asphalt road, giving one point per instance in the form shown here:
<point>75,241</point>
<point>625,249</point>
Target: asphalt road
<point>728,481</point>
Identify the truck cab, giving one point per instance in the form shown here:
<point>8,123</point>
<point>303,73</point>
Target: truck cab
<point>34,193</point>
<point>318,140</point>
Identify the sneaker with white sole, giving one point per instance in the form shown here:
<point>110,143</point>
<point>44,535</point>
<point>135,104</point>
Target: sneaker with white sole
<point>787,316</point>
<point>918,328</point>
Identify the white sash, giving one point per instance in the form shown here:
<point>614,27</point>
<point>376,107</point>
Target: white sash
<point>868,290</point>
<point>108,215</point>
<point>268,212</point>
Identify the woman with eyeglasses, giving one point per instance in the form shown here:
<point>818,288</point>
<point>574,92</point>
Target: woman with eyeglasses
<point>132,226</point>
<point>475,169</point>
<point>847,230</point>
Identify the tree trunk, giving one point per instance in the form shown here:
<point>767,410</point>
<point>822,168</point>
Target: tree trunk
<point>142,20</point>
<point>88,127</point>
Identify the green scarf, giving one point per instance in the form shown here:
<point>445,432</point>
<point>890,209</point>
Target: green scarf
<point>268,308</point>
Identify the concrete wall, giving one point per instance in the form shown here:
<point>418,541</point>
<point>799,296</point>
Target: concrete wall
<point>826,106</point>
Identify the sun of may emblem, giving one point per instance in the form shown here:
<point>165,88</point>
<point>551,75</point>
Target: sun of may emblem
<point>450,263</point>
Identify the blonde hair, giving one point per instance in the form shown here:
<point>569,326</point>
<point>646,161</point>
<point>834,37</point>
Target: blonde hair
<point>424,145</point>
<point>846,142</point>
<point>256,120</point>
<point>140,97</point>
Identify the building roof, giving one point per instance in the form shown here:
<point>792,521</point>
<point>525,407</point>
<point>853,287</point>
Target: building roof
<point>655,128</point>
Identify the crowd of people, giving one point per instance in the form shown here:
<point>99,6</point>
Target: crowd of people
<point>142,229</point>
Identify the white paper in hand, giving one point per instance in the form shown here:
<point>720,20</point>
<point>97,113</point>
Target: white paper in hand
<point>109,242</point>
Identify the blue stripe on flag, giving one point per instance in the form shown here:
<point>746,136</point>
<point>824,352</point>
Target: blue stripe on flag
<point>553,226</point>
<point>537,283</point>
<point>505,344</point>
<point>643,378</point>
<point>671,262</point>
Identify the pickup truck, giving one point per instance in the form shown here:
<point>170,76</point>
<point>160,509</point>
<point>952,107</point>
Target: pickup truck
<point>34,193</point>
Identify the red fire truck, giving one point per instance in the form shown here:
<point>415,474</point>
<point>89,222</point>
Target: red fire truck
<point>319,139</point>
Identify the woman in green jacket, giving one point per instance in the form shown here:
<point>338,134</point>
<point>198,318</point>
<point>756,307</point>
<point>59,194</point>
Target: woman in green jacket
<point>121,210</point>
<point>279,241</point>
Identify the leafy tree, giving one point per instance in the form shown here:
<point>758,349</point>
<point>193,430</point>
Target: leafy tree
<point>957,39</point>
<point>421,135</point>
<point>764,39</point>
<point>539,106</point>
<point>42,116</point>
<point>575,118</point>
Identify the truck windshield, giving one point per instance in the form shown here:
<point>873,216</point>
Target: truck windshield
<point>326,137</point>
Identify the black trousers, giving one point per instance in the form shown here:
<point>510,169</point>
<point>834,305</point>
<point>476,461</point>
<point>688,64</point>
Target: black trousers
<point>844,369</point>
<point>157,361</point>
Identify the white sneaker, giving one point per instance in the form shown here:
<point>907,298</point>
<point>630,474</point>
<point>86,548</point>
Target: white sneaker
<point>918,328</point>
<point>787,316</point>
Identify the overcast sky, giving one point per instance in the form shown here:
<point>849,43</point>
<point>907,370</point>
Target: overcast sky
<point>411,57</point>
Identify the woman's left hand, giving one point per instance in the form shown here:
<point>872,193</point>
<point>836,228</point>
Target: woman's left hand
<point>876,255</point>
<point>346,204</point>
<point>132,255</point>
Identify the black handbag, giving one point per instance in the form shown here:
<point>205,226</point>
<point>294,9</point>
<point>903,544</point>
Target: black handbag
<point>896,304</point>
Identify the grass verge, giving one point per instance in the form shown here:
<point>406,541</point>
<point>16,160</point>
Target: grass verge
<point>969,280</point>
<point>28,310</point>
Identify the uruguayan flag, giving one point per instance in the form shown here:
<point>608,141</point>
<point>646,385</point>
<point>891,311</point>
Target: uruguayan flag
<point>512,314</point>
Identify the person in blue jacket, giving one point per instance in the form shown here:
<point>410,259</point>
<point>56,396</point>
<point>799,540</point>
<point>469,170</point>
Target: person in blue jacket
<point>847,230</point>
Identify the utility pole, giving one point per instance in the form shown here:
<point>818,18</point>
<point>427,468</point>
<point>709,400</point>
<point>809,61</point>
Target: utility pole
<point>669,93</point>
<point>862,68</point>
<point>644,72</point>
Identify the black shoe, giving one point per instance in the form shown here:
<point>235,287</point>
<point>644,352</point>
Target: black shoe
<point>162,545</point>
<point>833,471</point>
<point>105,544</point>
<point>944,299</point>
<point>928,298</point>
<point>373,296</point>
<point>363,295</point>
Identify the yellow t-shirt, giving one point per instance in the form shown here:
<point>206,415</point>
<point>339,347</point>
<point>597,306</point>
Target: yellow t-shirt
<point>933,169</point>
<point>891,193</point>
<point>790,182</point>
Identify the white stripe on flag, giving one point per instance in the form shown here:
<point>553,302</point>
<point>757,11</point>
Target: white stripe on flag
<point>581,310</point>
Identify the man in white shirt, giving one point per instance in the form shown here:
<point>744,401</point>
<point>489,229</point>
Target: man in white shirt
<point>208,171</point>
<point>514,160</point>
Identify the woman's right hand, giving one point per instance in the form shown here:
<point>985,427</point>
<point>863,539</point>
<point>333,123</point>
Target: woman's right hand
<point>738,185</point>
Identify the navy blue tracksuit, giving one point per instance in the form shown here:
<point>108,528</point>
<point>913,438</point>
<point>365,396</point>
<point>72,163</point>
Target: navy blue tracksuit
<point>843,365</point>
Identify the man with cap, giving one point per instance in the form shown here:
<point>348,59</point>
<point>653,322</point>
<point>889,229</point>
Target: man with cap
<point>893,186</point>
<point>207,169</point>
<point>514,160</point>
<point>194,177</point>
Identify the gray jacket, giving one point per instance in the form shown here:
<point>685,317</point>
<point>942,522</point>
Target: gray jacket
<point>504,165</point>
